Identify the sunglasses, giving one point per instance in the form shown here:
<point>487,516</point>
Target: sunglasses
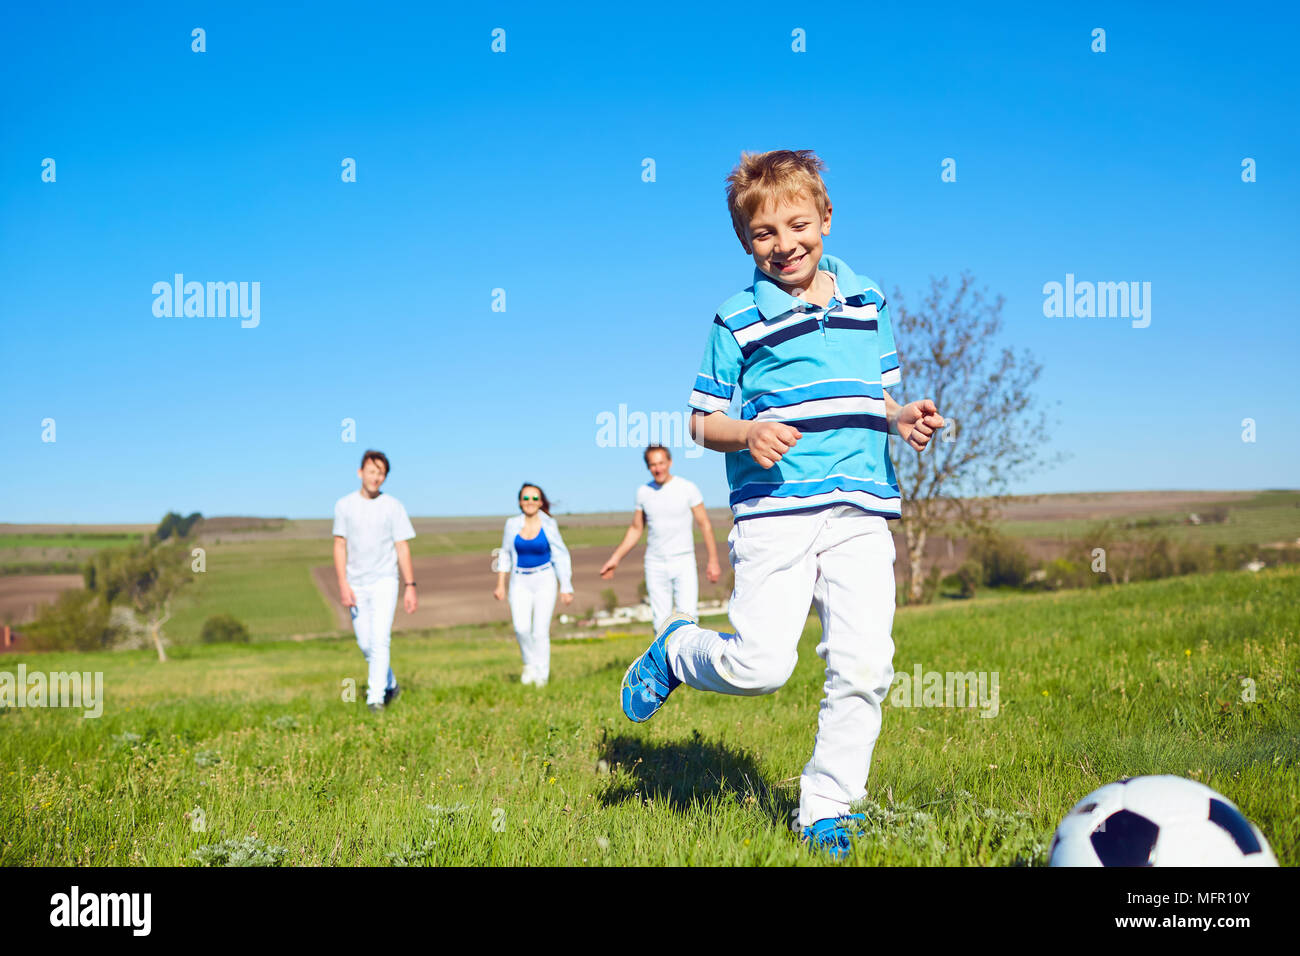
<point>530,497</point>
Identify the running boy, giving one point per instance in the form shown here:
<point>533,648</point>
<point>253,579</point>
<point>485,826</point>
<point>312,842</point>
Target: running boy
<point>807,351</point>
<point>371,531</point>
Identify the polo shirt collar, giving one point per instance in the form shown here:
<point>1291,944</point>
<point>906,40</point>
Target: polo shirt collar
<point>774,302</point>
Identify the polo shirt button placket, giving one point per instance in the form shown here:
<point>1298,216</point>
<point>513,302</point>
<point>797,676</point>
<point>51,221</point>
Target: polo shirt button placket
<point>825,316</point>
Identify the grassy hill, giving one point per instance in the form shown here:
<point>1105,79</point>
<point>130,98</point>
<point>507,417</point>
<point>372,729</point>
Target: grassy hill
<point>469,767</point>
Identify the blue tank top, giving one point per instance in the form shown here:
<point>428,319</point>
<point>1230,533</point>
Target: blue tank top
<point>532,552</point>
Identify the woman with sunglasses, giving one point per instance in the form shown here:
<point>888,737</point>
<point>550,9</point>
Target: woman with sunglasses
<point>535,559</point>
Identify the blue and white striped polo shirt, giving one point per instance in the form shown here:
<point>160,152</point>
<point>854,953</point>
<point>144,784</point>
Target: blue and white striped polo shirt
<point>823,371</point>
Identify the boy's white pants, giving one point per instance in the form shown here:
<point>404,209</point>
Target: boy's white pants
<point>532,600</point>
<point>840,559</point>
<point>372,620</point>
<point>672,582</point>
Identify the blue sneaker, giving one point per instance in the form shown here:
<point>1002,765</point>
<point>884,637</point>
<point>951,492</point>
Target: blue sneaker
<point>834,835</point>
<point>649,680</point>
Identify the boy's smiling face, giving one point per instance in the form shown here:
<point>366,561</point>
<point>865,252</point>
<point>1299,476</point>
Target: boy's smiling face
<point>785,240</point>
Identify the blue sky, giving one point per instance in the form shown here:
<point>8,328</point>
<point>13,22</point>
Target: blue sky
<point>522,171</point>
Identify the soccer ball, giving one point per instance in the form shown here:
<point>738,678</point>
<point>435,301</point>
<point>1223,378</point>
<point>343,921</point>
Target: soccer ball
<point>1158,821</point>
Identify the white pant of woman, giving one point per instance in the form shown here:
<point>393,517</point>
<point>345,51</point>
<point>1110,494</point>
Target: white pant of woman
<point>672,582</point>
<point>842,560</point>
<point>532,601</point>
<point>372,620</point>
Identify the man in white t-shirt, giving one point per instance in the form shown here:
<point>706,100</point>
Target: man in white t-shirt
<point>667,504</point>
<point>371,531</point>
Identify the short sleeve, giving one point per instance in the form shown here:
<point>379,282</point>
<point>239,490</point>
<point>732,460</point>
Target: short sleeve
<point>693,496</point>
<point>402,530</point>
<point>890,373</point>
<point>719,372</point>
<point>640,497</point>
<point>340,519</point>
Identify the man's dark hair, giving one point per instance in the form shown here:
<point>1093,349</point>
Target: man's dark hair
<point>650,448</point>
<point>376,456</point>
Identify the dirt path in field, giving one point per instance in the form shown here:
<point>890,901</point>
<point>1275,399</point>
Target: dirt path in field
<point>21,595</point>
<point>1114,504</point>
<point>456,589</point>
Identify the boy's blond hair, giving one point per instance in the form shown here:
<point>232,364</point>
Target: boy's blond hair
<point>775,176</point>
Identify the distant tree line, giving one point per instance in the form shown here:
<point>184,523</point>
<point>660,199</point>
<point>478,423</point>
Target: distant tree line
<point>173,525</point>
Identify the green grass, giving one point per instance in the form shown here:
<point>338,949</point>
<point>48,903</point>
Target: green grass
<point>471,768</point>
<point>1270,516</point>
<point>41,567</point>
<point>64,553</point>
<point>84,540</point>
<point>265,584</point>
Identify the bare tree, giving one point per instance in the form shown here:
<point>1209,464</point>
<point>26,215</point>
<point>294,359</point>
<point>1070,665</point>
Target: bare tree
<point>144,577</point>
<point>158,577</point>
<point>996,431</point>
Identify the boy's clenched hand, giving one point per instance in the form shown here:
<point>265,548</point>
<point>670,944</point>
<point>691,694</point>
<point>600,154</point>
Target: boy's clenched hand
<point>768,441</point>
<point>917,421</point>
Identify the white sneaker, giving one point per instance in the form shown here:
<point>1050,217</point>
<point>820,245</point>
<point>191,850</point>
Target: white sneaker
<point>527,677</point>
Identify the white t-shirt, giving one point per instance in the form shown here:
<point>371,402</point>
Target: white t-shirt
<point>668,515</point>
<point>372,527</point>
